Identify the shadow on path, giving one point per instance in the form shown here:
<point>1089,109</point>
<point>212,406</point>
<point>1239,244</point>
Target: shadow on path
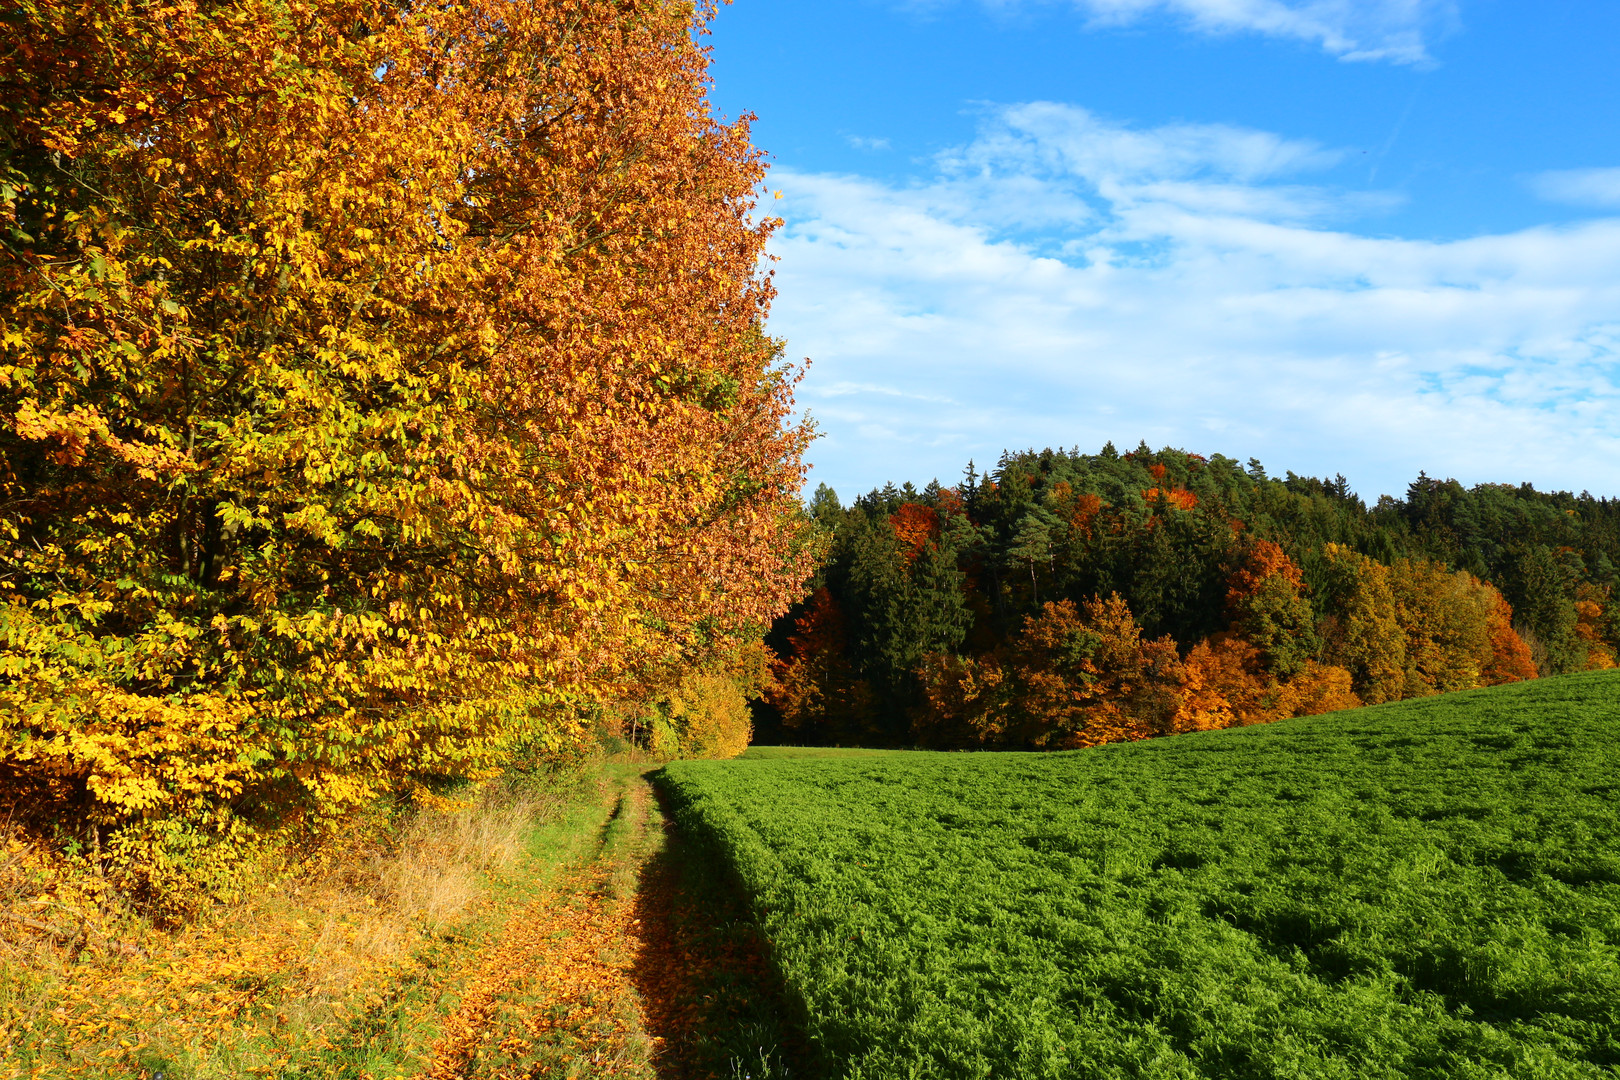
<point>710,999</point>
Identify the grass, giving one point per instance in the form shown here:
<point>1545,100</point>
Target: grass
<point>343,970</point>
<point>1424,889</point>
<point>555,929</point>
<point>783,753</point>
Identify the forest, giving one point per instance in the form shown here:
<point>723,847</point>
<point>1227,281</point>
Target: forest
<point>1064,599</point>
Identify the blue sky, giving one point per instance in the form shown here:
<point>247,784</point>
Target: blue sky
<point>1358,236</point>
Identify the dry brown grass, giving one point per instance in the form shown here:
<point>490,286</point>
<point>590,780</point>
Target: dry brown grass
<point>88,988</point>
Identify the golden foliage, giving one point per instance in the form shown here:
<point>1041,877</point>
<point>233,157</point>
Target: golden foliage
<point>1364,633</point>
<point>1447,617</point>
<point>378,383</point>
<point>279,972</point>
<point>1073,677</point>
<point>1416,628</point>
<point>1590,606</point>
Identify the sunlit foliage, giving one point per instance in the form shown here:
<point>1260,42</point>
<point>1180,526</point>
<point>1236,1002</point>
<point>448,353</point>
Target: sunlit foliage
<point>1065,599</point>
<point>380,384</point>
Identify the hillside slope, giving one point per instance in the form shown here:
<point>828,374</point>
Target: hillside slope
<point>1424,889</point>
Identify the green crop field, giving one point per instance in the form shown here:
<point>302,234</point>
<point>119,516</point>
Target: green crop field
<point>1426,889</point>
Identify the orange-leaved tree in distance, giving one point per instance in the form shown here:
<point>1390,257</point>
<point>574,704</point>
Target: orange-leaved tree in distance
<point>816,688</point>
<point>915,526</point>
<point>1075,675</point>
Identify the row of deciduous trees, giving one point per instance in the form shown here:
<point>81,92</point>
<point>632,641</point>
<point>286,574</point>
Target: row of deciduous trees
<point>1068,599</point>
<point>384,388</point>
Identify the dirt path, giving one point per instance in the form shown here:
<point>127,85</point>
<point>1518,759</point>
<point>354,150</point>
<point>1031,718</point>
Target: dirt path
<point>622,969</point>
<point>703,977</point>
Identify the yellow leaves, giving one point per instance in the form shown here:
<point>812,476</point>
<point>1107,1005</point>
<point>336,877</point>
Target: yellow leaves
<point>373,481</point>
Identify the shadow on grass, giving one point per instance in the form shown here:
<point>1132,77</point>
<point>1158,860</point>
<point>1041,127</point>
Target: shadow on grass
<point>711,999</point>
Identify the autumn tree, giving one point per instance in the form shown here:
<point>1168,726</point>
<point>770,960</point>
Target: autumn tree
<point>1594,626</point>
<point>1264,666</point>
<point>915,526</point>
<point>817,689</point>
<point>1075,676</point>
<point>1364,634</point>
<point>1265,600</point>
<point>1510,659</point>
<point>702,710</point>
<point>378,382</point>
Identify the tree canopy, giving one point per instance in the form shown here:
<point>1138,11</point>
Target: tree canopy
<point>383,385</point>
<point>1072,598</point>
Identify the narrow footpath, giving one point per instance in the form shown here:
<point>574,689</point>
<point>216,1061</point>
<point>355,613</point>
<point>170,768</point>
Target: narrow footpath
<point>636,963</point>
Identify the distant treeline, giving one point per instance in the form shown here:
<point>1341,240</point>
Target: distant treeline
<point>1065,599</point>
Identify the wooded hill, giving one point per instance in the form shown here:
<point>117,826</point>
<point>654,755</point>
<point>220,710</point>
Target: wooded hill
<point>1064,599</point>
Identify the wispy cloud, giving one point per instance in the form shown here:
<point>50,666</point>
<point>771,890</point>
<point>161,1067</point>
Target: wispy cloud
<point>1392,30</point>
<point>1582,187</point>
<point>1064,279</point>
<point>862,142</point>
<point>1397,31</point>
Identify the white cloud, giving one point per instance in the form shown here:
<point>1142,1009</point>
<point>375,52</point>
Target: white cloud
<point>1583,187</point>
<point>1065,280</point>
<point>862,142</point>
<point>1393,30</point>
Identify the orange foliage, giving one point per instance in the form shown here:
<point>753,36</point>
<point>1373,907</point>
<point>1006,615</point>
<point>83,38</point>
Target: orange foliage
<point>1215,675</point>
<point>1225,685</point>
<point>1123,688</point>
<point>1264,560</point>
<point>1177,497</point>
<point>1261,669</point>
<point>1079,510</point>
<point>1083,675</point>
<point>1173,494</point>
<point>820,627</point>
<point>1589,606</point>
<point>1086,509</point>
<point>815,684</point>
<point>1510,660</point>
<point>915,525</point>
<point>1073,677</point>
<point>963,703</point>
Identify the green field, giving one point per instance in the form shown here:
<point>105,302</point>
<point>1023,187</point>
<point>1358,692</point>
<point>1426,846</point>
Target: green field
<point>1425,889</point>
